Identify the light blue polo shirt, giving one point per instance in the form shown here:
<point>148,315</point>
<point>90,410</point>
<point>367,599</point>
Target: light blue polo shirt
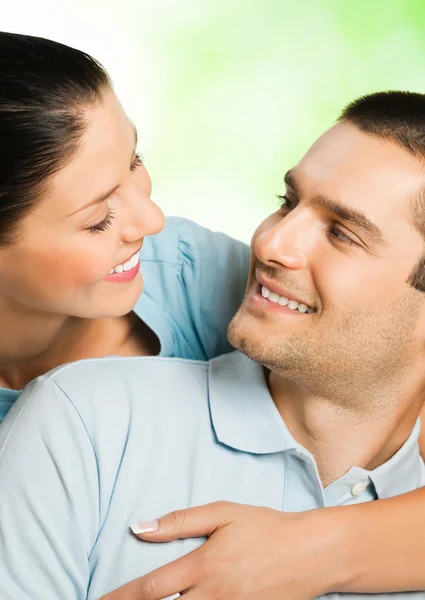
<point>78,471</point>
<point>194,282</point>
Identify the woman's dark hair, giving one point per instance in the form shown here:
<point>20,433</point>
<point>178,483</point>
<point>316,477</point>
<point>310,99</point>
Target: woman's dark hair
<point>45,88</point>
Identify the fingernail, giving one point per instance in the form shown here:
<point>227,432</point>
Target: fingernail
<point>145,527</point>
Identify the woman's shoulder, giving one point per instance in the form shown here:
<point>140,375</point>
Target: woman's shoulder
<point>195,279</point>
<point>183,240</point>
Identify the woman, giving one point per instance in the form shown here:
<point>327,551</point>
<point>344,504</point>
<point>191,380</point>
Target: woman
<point>75,208</point>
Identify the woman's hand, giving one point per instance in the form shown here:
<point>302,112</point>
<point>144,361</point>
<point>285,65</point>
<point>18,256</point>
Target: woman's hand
<point>252,553</point>
<point>258,553</point>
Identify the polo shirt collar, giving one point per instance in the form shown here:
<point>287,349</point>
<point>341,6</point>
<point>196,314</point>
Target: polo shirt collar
<point>243,413</point>
<point>245,418</point>
<point>403,472</point>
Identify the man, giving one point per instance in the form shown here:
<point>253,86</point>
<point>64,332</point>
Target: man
<point>319,407</point>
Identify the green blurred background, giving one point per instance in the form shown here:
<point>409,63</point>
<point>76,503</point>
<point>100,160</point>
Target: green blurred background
<point>228,94</point>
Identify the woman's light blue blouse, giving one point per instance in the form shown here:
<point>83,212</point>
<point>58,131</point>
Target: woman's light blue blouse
<point>194,281</point>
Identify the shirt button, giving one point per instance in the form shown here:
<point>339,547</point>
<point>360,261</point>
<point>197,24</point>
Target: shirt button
<point>358,488</point>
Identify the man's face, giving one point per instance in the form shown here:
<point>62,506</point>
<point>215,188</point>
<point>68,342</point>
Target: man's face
<point>343,245</point>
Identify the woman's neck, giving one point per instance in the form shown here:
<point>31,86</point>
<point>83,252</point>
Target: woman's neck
<point>30,347</point>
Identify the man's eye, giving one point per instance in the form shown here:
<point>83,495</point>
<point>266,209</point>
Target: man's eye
<point>286,203</point>
<point>339,235</point>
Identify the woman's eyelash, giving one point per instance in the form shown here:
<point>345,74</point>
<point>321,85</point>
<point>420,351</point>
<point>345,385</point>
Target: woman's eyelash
<point>107,221</point>
<point>103,225</point>
<point>333,231</point>
<point>137,162</point>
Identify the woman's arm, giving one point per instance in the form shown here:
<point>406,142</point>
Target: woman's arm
<point>385,544</point>
<point>255,552</point>
<point>387,551</point>
<point>198,278</point>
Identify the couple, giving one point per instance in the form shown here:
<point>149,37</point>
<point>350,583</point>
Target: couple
<point>318,406</point>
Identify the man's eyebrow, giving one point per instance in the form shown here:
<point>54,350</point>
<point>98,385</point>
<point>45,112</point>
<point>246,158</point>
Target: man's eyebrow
<point>289,180</point>
<point>351,215</point>
<point>105,195</point>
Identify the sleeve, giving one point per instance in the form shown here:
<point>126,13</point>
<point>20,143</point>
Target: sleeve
<point>49,498</point>
<point>209,273</point>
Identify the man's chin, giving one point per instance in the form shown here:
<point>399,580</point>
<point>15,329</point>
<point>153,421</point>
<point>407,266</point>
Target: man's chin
<point>245,340</point>
<point>256,345</point>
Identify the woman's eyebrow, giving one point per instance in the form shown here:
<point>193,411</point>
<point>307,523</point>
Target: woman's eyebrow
<point>136,137</point>
<point>97,200</point>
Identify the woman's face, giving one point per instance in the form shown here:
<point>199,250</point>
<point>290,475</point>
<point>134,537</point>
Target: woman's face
<point>92,219</point>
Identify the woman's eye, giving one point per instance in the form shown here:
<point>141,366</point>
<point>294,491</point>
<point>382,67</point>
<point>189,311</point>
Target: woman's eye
<point>103,225</point>
<point>137,162</point>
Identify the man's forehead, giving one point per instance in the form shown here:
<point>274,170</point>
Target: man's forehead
<point>346,161</point>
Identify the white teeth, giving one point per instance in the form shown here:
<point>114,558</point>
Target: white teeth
<point>129,264</point>
<point>134,260</point>
<point>293,304</point>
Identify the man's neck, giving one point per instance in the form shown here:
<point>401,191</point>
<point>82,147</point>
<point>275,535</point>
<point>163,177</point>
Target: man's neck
<point>341,435</point>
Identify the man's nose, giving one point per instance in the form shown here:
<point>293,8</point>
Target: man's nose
<point>286,243</point>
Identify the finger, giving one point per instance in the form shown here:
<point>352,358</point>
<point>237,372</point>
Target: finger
<point>165,582</point>
<point>189,522</point>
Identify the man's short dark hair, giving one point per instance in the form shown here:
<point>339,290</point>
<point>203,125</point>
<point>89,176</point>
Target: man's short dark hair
<point>398,117</point>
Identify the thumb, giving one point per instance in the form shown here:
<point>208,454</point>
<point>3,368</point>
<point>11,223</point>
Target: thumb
<point>197,521</point>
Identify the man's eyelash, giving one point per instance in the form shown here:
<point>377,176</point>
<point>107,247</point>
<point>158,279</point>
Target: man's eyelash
<point>339,235</point>
<point>103,225</point>
<point>137,162</point>
<point>284,201</point>
<point>333,231</point>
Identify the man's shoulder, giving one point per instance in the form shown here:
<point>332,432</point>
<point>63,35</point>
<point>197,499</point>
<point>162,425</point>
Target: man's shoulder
<point>126,376</point>
<point>107,397</point>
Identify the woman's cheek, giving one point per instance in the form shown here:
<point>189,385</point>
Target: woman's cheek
<point>81,269</point>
